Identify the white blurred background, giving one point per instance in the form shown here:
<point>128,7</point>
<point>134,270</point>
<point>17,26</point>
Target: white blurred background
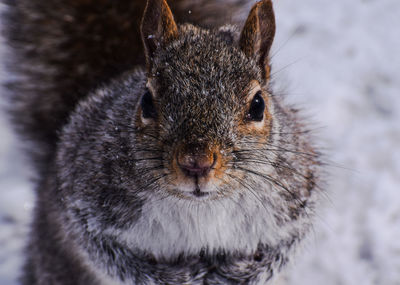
<point>340,61</point>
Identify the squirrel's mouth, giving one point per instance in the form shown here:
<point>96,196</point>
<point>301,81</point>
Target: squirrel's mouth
<point>198,192</point>
<point>194,190</point>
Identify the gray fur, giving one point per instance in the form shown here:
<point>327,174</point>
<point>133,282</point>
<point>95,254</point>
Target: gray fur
<point>106,210</point>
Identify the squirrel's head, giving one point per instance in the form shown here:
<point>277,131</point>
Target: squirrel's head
<point>206,97</point>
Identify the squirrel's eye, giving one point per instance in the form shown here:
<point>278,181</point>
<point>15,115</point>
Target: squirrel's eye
<point>257,107</point>
<point>148,108</point>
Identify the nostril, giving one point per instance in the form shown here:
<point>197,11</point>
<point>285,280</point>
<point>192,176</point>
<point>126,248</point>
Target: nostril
<point>196,165</point>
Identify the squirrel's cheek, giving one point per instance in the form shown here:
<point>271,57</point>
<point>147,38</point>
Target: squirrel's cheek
<point>220,169</point>
<point>260,130</point>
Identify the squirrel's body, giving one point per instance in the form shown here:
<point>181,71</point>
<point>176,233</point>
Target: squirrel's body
<point>186,172</point>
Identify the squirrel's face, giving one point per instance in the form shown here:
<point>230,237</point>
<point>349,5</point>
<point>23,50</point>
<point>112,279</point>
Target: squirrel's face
<point>206,95</point>
<point>203,99</point>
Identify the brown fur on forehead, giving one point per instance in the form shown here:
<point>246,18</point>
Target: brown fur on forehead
<point>202,68</point>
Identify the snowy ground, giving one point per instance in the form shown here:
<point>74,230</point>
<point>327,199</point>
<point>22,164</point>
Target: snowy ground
<point>344,69</point>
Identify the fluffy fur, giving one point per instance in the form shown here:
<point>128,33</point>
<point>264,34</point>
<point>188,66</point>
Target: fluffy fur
<point>110,209</point>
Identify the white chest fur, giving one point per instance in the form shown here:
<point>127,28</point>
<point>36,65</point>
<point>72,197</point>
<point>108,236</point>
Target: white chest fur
<point>169,227</point>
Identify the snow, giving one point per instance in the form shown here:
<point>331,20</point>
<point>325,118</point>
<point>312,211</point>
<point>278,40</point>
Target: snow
<point>339,61</point>
<point>348,77</point>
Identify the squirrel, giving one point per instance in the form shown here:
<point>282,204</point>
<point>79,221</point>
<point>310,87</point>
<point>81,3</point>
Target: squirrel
<point>163,155</point>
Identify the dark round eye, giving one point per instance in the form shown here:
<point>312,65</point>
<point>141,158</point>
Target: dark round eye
<point>148,108</point>
<point>257,107</point>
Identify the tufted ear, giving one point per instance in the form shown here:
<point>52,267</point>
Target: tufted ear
<point>158,27</point>
<point>258,34</point>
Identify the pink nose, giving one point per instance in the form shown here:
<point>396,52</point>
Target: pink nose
<point>196,164</point>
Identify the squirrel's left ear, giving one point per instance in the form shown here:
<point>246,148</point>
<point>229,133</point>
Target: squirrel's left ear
<point>158,27</point>
<point>258,34</point>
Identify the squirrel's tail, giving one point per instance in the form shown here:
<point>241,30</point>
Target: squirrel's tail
<point>62,49</point>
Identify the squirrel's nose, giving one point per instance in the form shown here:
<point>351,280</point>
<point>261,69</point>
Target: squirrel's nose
<point>196,164</point>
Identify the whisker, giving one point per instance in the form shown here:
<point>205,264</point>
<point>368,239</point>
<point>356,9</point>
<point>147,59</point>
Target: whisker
<point>267,178</point>
<point>278,149</point>
<point>145,170</point>
<point>281,46</point>
<point>147,158</point>
<point>246,186</point>
<point>287,66</point>
<point>148,150</point>
<point>273,164</point>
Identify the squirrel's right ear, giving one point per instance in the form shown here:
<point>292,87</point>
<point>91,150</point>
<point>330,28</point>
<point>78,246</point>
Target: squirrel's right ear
<point>158,27</point>
<point>258,34</point>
